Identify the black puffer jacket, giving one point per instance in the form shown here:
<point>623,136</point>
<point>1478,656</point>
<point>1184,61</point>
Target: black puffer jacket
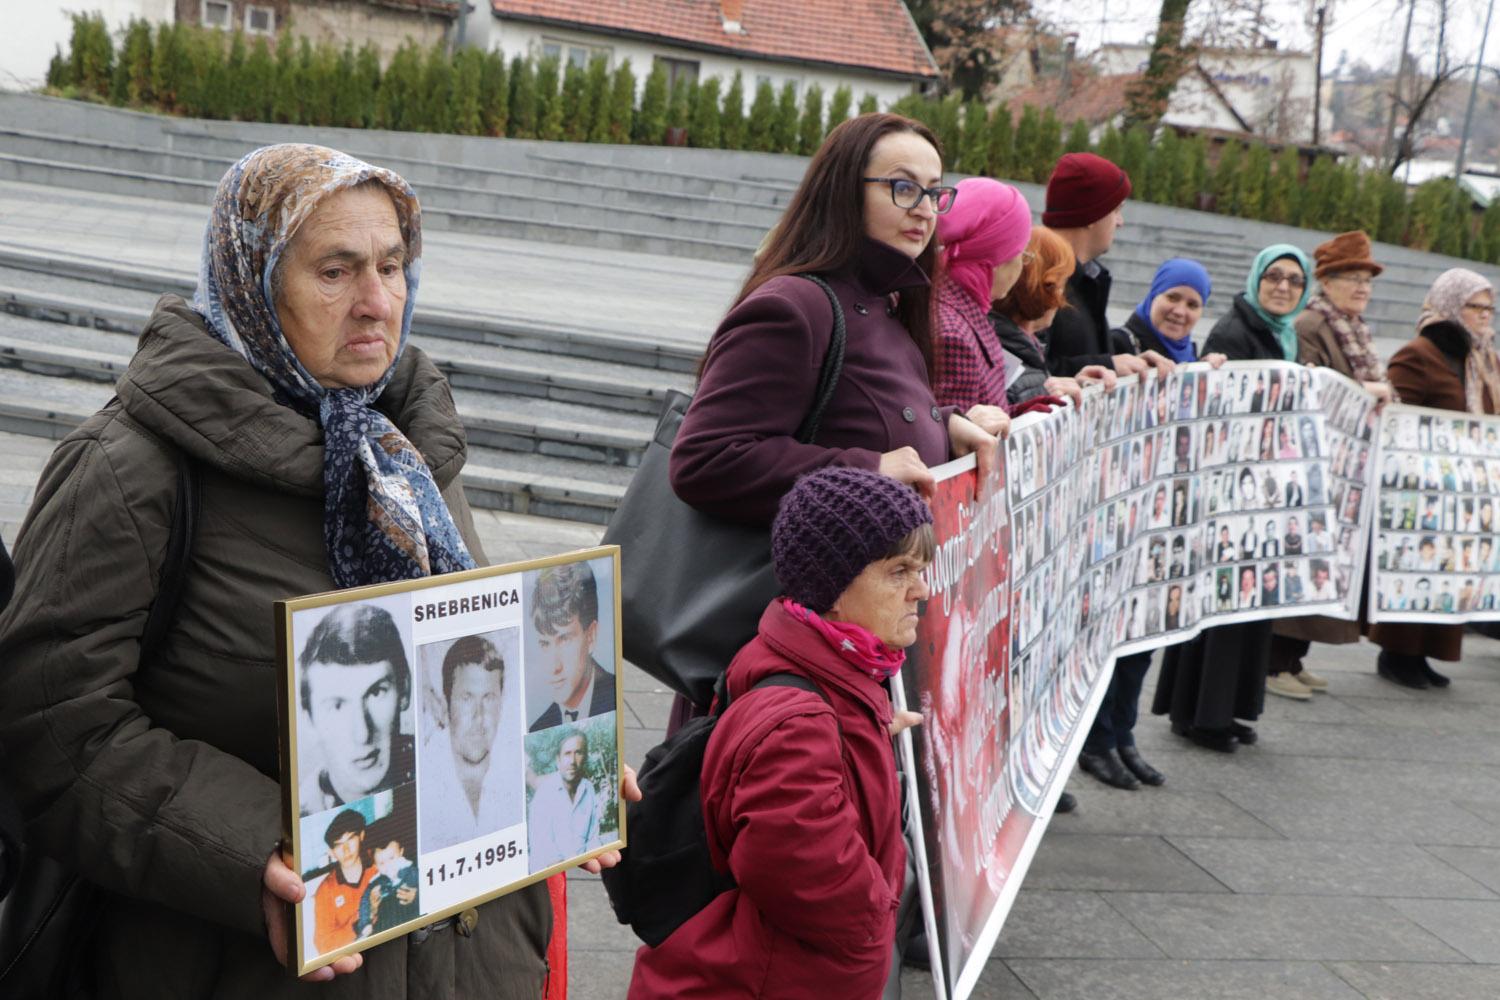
<point>1032,380</point>
<point>1241,335</point>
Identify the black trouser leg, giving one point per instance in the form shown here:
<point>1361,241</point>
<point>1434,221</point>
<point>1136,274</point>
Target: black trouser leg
<point>1114,726</point>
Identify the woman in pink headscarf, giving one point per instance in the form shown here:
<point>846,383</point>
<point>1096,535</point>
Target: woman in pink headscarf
<point>984,241</point>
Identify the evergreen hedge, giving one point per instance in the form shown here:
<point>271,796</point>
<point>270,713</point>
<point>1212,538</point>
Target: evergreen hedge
<point>187,70</point>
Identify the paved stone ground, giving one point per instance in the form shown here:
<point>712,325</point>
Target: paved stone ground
<point>1354,853</point>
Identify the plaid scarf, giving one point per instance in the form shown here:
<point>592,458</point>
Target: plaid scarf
<point>1353,336</point>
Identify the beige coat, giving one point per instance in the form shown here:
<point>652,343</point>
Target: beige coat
<point>158,781</point>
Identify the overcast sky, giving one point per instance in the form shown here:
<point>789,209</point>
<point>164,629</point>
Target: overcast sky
<point>1367,29</point>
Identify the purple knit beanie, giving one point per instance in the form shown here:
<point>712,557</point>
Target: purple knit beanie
<point>834,523</point>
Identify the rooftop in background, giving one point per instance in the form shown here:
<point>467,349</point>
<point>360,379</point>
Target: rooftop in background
<point>876,35</point>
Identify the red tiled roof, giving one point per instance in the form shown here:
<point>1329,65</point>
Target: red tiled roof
<point>1095,99</point>
<point>869,34</point>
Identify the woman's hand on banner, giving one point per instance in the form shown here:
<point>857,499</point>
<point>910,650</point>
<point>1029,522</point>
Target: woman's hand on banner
<point>902,720</point>
<point>1381,391</point>
<point>630,790</point>
<point>1215,360</point>
<point>1094,373</point>
<point>905,466</point>
<point>1164,365</point>
<point>280,885</point>
<point>966,437</point>
<point>1071,388</point>
<point>1129,364</point>
<point>990,419</point>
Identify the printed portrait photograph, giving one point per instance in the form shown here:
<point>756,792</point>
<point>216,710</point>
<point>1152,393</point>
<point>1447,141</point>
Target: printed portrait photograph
<point>360,869</point>
<point>570,655</point>
<point>469,762</point>
<point>355,711</point>
<point>572,790</point>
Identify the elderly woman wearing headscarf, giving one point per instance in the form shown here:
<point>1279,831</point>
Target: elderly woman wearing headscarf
<point>1162,322</point>
<point>1210,682</point>
<point>1449,365</point>
<point>984,240</point>
<point>1331,333</point>
<point>327,452</point>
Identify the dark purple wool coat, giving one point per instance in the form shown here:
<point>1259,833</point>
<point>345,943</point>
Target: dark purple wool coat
<point>736,454</point>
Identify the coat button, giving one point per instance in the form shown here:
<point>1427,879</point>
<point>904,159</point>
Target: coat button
<point>859,307</point>
<point>909,415</point>
<point>890,310</point>
<point>937,414</point>
<point>467,921</point>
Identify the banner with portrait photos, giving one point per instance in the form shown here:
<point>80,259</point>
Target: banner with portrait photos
<point>1434,536</point>
<point>1127,524</point>
<point>445,741</point>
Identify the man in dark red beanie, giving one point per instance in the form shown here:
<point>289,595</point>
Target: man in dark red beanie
<point>1084,195</point>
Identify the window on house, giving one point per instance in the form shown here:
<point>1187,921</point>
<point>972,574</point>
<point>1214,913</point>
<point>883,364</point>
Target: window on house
<point>679,69</point>
<point>573,53</point>
<point>216,14</point>
<point>260,20</point>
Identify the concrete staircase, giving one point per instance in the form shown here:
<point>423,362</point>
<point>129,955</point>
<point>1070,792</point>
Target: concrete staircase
<point>557,415</point>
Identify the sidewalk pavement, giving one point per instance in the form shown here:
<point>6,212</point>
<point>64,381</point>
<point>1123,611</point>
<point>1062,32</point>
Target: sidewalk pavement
<point>1354,852</point>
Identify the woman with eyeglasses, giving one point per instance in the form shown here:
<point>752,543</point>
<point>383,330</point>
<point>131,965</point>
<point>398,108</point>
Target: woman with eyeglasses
<point>984,241</point>
<point>1218,678</point>
<point>1331,333</point>
<point>1450,365</point>
<point>863,220</point>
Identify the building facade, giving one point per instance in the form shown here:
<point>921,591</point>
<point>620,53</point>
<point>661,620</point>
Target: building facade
<point>830,43</point>
<point>387,23</point>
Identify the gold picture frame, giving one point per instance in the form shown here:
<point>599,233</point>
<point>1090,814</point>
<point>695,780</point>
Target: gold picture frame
<point>414,748</point>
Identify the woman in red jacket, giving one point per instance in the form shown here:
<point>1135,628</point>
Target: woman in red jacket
<point>800,800</point>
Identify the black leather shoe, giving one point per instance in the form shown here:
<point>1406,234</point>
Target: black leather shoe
<point>1401,670</point>
<point>1243,733</point>
<point>1108,769</point>
<point>1131,758</point>
<point>1066,803</point>
<point>1433,678</point>
<point>1210,739</point>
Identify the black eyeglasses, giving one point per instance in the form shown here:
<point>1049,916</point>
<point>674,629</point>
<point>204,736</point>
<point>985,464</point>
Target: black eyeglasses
<point>1274,278</point>
<point>908,194</point>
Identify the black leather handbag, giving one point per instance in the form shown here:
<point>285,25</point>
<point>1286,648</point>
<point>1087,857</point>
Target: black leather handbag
<point>693,587</point>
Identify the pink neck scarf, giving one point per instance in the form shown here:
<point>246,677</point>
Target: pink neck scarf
<point>854,643</point>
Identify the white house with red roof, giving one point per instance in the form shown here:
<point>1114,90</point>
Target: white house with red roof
<point>870,46</point>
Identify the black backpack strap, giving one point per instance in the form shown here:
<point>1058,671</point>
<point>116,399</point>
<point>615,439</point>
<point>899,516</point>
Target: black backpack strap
<point>179,553</point>
<point>833,365</point>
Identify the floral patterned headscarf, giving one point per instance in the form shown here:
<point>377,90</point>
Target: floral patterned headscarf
<point>1445,301</point>
<point>383,516</point>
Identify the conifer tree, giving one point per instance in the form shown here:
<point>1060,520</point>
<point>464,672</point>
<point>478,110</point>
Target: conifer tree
<point>1320,194</point>
<point>1227,178</point>
<point>494,94</point>
<point>228,88</point>
<point>317,101</point>
<point>575,108</point>
<point>255,90</point>
<point>1049,144</point>
<point>869,104</point>
<point>549,123</point>
<point>839,107</point>
<point>59,70</point>
<point>680,106</point>
<point>524,99</point>
<point>1394,210</point>
<point>1487,243</point>
<point>1163,169</point>
<point>761,130</point>
<point>92,54</point>
<point>1137,154</point>
<point>284,106</point>
<point>1284,188</point>
<point>367,83</point>
<point>1000,143</point>
<point>973,155</point>
<point>651,123</point>
<point>1192,177</point>
<point>347,98</point>
<point>595,106</point>
<point>1112,146</point>
<point>1078,138</point>
<point>784,131</point>
<point>946,120</point>
<point>1028,144</point>
<point>620,118</point>
<point>732,118</point>
<point>810,131</point>
<point>1347,205</point>
<point>1367,206</point>
<point>135,64</point>
<point>468,79</point>
<point>704,131</point>
<point>1253,177</point>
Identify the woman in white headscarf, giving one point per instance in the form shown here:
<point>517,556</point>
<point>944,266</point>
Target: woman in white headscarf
<point>1449,365</point>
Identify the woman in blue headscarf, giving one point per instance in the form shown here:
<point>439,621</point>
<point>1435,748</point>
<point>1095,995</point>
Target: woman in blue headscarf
<point>1211,682</point>
<point>1163,322</point>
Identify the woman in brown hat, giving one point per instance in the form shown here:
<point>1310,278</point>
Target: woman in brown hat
<point>1331,333</point>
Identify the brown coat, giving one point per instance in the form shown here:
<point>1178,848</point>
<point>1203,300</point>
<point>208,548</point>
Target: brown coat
<point>159,781</point>
<point>1429,371</point>
<point>1318,345</point>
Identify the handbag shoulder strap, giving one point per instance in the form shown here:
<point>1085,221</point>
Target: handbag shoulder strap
<point>833,365</point>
